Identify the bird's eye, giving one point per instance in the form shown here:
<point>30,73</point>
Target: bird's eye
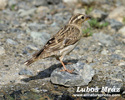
<point>82,17</point>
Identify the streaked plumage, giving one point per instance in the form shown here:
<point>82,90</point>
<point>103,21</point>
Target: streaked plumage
<point>63,42</point>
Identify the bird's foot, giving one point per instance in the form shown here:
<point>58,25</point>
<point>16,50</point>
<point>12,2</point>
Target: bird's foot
<point>70,71</point>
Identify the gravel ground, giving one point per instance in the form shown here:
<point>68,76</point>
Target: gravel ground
<point>26,26</point>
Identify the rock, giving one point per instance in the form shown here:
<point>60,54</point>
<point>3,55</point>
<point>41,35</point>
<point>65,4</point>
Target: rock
<point>2,51</point>
<point>25,72</point>
<point>39,2</point>
<point>70,2</point>
<point>54,1</point>
<point>36,26</point>
<point>3,4</point>
<point>104,52</point>
<point>40,37</point>
<point>88,2</point>
<point>117,14</point>
<point>3,27</point>
<point>98,14</point>
<point>115,57</point>
<point>89,59</point>
<point>23,13</point>
<point>32,47</point>
<point>81,11</point>
<point>103,38</point>
<point>42,10</point>
<point>12,2</point>
<point>114,24</point>
<point>122,31</point>
<point>114,83</point>
<point>10,41</point>
<point>81,76</point>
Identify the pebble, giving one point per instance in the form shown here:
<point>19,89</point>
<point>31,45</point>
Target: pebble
<point>32,47</point>
<point>81,11</point>
<point>117,14</point>
<point>2,51</point>
<point>103,38</point>
<point>88,2</point>
<point>122,31</point>
<point>114,24</point>
<point>40,37</point>
<point>3,27</point>
<point>10,41</point>
<point>3,4</point>
<point>25,72</point>
<point>98,14</point>
<point>113,83</point>
<point>104,52</point>
<point>23,13</point>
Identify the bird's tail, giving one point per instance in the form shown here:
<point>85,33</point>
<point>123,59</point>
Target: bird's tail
<point>34,58</point>
<point>30,61</point>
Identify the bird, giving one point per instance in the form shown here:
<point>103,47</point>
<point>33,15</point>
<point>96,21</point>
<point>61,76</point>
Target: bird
<point>63,42</point>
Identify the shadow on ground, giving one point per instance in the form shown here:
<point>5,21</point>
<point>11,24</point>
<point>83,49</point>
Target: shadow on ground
<point>47,72</point>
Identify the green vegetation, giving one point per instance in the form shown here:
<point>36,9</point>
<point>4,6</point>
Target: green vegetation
<point>13,7</point>
<point>96,24</point>
<point>123,20</point>
<point>87,32</point>
<point>88,10</point>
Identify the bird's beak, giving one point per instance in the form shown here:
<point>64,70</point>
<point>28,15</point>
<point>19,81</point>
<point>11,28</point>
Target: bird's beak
<point>87,18</point>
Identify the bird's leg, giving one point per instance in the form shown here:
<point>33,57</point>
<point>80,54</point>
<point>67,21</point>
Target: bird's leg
<point>70,71</point>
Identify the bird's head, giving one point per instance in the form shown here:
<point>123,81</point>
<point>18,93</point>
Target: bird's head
<point>78,19</point>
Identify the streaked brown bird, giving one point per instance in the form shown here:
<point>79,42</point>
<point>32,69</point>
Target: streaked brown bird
<point>63,42</point>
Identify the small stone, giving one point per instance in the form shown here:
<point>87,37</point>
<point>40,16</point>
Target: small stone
<point>81,76</point>
<point>81,11</point>
<point>12,2</point>
<point>98,14</point>
<point>3,27</point>
<point>40,37</point>
<point>122,64</point>
<point>54,1</point>
<point>10,41</point>
<point>114,83</point>
<point>42,9</point>
<point>38,3</point>
<point>88,2</point>
<point>35,90</point>
<point>3,4</point>
<point>2,51</point>
<point>117,14</point>
<point>89,59</point>
<point>70,2</point>
<point>104,52</point>
<point>36,27</point>
<point>23,13</point>
<point>25,72</point>
<point>32,47</point>
<point>122,31</point>
<point>103,38</point>
<point>114,24</point>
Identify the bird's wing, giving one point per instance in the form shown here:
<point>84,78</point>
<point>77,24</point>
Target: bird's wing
<point>65,37</point>
<point>68,35</point>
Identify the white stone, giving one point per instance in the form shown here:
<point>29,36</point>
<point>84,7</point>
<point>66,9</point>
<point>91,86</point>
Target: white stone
<point>117,14</point>
<point>81,11</point>
<point>122,31</point>
<point>42,9</point>
<point>3,4</point>
<point>2,51</point>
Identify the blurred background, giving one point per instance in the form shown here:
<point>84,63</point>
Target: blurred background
<point>26,25</point>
